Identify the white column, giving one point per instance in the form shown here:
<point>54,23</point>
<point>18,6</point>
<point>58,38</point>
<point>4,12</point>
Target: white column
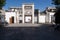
<point>17,17</point>
<point>38,15</point>
<point>33,14</point>
<point>23,12</point>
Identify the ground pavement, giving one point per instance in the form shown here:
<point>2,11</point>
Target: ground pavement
<point>42,32</point>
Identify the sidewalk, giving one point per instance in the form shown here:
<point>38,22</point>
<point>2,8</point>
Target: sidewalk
<point>26,25</point>
<point>23,25</point>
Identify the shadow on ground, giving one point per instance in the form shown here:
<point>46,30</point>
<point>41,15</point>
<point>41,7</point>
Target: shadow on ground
<point>43,32</point>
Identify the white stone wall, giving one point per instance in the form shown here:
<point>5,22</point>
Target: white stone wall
<point>23,13</point>
<point>42,19</point>
<point>2,15</point>
<point>10,14</point>
<point>3,18</point>
<point>32,11</point>
<point>33,14</point>
<point>28,19</point>
<point>50,16</point>
<point>17,17</point>
<point>35,19</point>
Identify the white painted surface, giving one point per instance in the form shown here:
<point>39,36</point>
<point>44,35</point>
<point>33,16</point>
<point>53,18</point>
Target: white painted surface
<point>42,19</point>
<point>32,11</point>
<point>12,9</point>
<point>3,20</point>
<point>35,19</point>
<point>50,16</point>
<point>28,19</point>
<point>20,18</point>
<point>23,12</point>
<point>9,15</point>
<point>33,14</point>
<point>51,13</point>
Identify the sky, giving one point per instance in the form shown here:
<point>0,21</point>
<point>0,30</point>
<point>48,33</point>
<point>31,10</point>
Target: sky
<point>38,4</point>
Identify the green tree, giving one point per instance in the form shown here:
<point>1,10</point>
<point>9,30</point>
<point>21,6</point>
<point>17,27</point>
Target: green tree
<point>57,14</point>
<point>56,2</point>
<point>2,3</point>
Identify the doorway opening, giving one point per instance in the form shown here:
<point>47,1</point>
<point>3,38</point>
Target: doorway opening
<point>28,19</point>
<point>11,20</point>
<point>20,21</point>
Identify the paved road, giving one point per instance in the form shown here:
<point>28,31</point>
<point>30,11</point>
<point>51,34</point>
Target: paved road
<point>44,32</point>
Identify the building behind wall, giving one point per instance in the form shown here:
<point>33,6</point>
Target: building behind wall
<point>10,16</point>
<point>47,16</point>
<point>2,15</point>
<point>36,16</point>
<point>28,13</point>
<point>24,14</point>
<point>50,11</point>
<point>42,17</point>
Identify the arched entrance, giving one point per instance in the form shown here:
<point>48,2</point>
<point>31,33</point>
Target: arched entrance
<point>11,20</point>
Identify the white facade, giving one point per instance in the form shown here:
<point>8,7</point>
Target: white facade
<point>28,10</point>
<point>28,19</point>
<point>50,14</point>
<point>2,15</point>
<point>42,19</point>
<point>8,15</point>
<point>48,17</point>
<point>24,14</point>
<point>35,19</point>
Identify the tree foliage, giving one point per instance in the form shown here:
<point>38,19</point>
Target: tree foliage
<point>57,14</point>
<point>2,3</point>
<point>56,2</point>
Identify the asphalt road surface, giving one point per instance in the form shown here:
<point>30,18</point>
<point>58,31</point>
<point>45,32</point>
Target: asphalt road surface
<point>43,32</point>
